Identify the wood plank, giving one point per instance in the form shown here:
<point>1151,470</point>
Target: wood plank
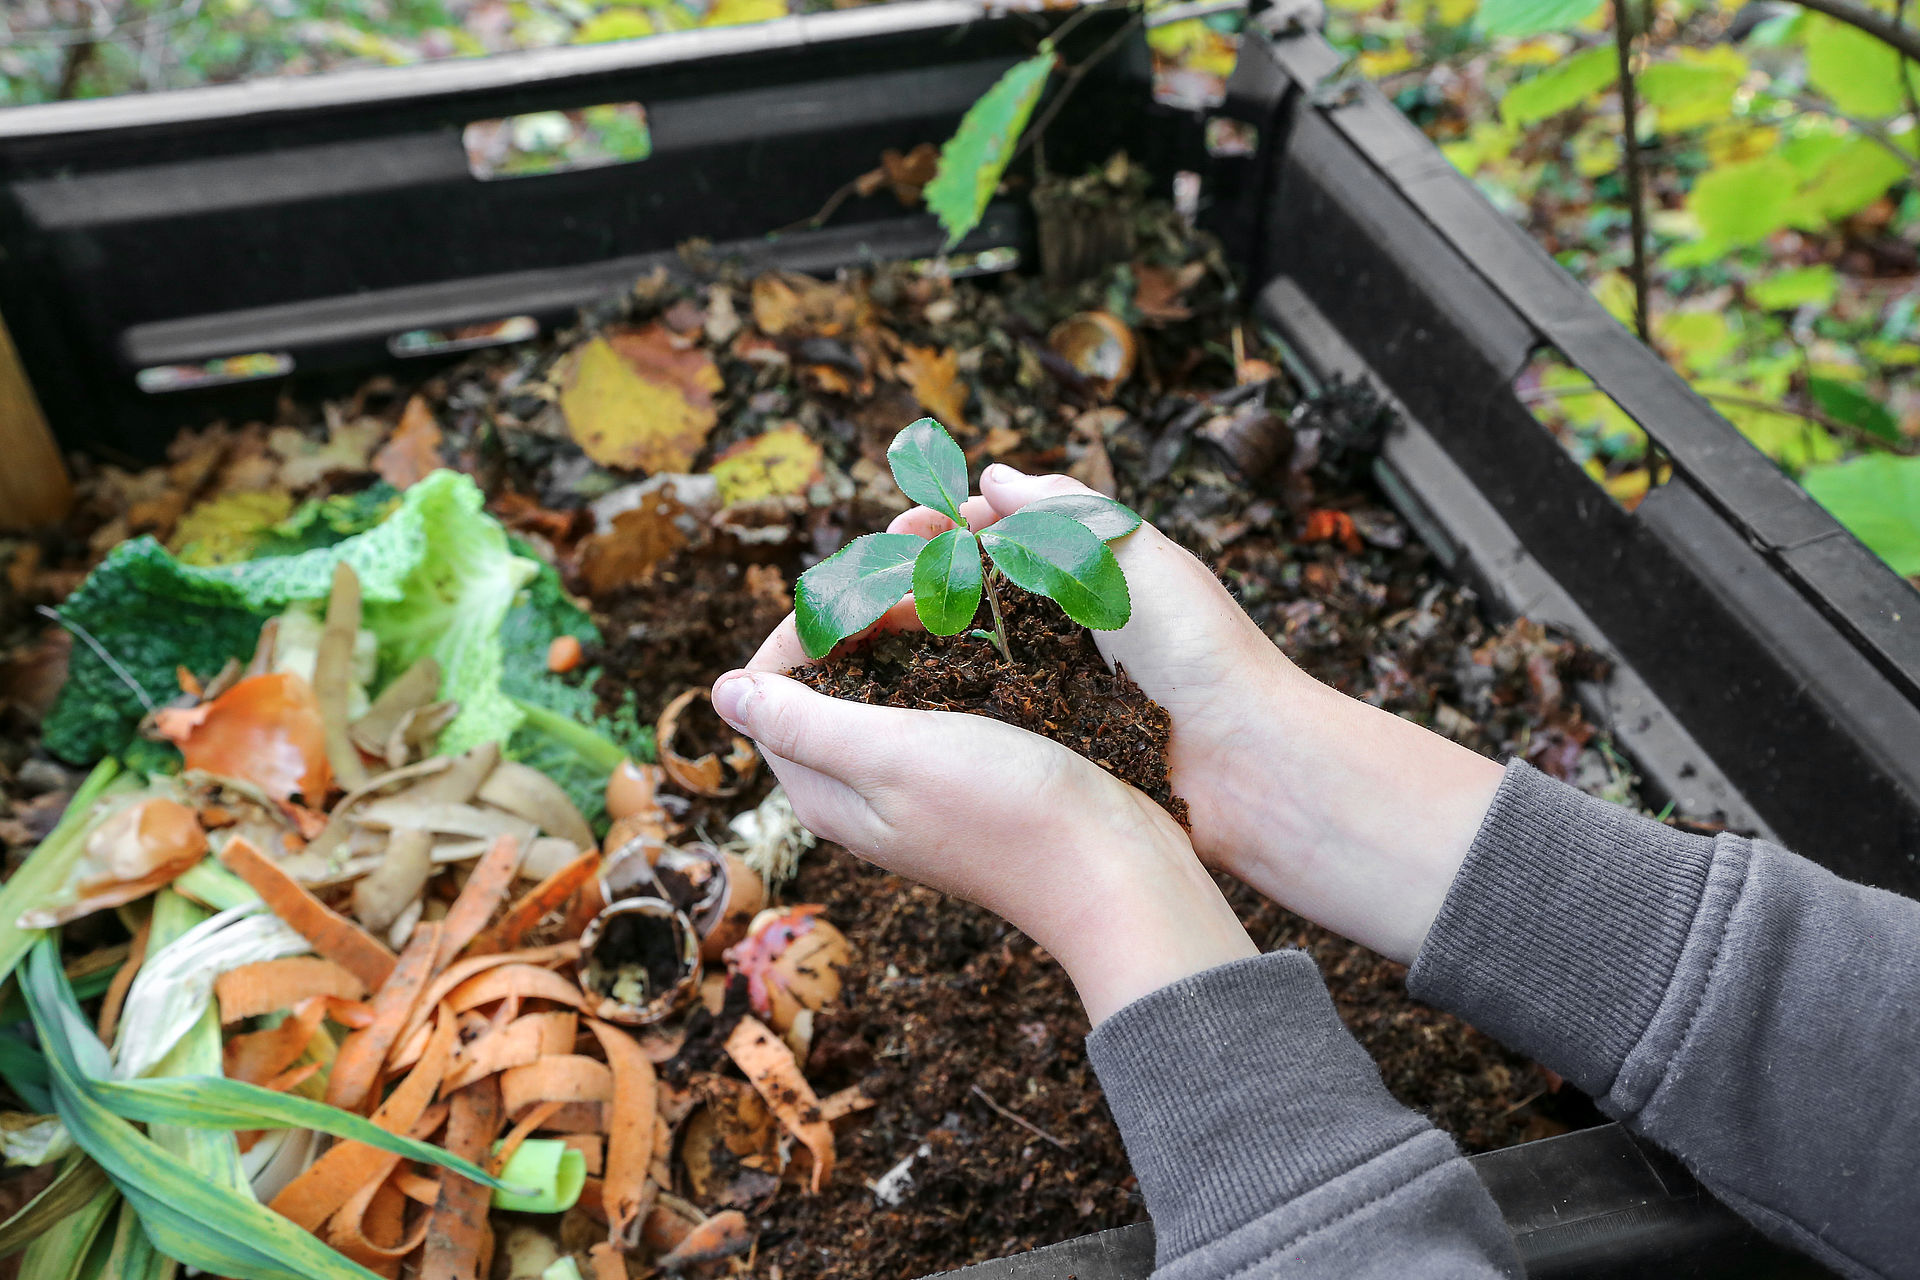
<point>34,488</point>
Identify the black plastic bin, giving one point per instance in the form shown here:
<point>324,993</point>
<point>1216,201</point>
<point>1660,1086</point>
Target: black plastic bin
<point>1767,666</point>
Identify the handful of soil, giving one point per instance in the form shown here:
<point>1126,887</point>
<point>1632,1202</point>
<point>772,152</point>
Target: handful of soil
<point>1057,686</point>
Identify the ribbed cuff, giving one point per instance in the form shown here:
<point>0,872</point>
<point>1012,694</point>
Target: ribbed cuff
<point>1237,1090</point>
<point>1561,931</point>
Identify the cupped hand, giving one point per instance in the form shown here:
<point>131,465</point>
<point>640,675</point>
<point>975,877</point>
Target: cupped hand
<point>1087,866</point>
<point>1345,813</point>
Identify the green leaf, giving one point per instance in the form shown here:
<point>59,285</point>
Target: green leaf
<point>1859,72</point>
<point>1560,88</point>
<point>1877,496</point>
<point>1695,90</point>
<point>1062,560</point>
<point>1850,175</point>
<point>1743,203</point>
<point>975,157</point>
<point>946,582</point>
<point>201,1222</point>
<point>1104,517</point>
<point>851,588</point>
<point>63,1250</point>
<point>1795,287</point>
<point>1531,17</point>
<point>1854,407</point>
<point>78,1182</point>
<point>929,468</point>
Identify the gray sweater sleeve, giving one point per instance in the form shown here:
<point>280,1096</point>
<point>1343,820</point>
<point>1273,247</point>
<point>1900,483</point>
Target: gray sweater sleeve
<point>1736,1004</point>
<point>1750,1012</point>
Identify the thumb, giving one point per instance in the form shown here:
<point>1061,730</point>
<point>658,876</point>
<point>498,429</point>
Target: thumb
<point>789,720</point>
<point>1007,489</point>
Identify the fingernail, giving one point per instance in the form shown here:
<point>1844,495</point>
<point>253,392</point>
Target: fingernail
<point>1001,473</point>
<point>730,696</point>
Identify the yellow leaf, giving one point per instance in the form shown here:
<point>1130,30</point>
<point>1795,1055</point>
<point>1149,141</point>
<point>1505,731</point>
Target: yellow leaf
<point>728,13</point>
<point>1734,141</point>
<point>1540,51</point>
<point>644,405</point>
<point>933,375</point>
<point>1375,63</point>
<point>783,461</point>
<point>1615,292</point>
<point>223,530</point>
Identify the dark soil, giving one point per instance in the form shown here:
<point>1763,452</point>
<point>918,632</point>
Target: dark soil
<point>1057,686</point>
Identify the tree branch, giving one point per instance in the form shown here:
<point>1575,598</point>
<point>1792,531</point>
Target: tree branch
<point>1865,128</point>
<point>1636,177</point>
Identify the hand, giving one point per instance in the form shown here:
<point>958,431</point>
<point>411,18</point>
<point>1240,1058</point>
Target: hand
<point>1345,813</point>
<point>1085,865</point>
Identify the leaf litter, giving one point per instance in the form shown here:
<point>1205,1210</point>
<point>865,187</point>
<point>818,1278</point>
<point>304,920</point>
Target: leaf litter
<point>897,1092</point>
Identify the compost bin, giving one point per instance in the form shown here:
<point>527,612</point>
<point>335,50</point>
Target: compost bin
<point>296,236</point>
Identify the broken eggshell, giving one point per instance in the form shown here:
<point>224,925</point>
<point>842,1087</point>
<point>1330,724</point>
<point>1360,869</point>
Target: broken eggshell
<point>1098,346</point>
<point>707,774</point>
<point>791,959</point>
<point>641,958</point>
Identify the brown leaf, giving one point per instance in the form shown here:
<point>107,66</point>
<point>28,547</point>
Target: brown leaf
<point>639,540</point>
<point>641,399</point>
<point>933,374</point>
<point>909,174</point>
<point>414,449</point>
<point>1158,291</point>
<point>31,675</point>
<point>1091,466</point>
<point>305,461</point>
<point>785,302</point>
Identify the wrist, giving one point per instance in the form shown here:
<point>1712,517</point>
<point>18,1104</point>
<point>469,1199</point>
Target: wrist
<point>1144,914</point>
<point>1349,815</point>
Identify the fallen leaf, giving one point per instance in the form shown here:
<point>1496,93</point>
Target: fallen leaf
<point>909,174</point>
<point>785,302</point>
<point>933,375</point>
<point>225,529</point>
<point>639,540</point>
<point>414,449</point>
<point>782,461</point>
<point>32,673</point>
<point>1087,448</point>
<point>265,730</point>
<point>305,461</point>
<point>640,400</point>
<point>1158,291</point>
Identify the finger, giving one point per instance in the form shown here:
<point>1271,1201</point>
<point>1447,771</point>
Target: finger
<point>827,806</point>
<point>782,650</point>
<point>848,741</point>
<point>925,522</point>
<point>1008,489</point>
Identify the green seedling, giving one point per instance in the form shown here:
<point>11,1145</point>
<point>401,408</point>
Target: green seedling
<point>1056,548</point>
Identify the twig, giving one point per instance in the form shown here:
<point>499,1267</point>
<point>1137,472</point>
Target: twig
<point>1636,181</point>
<point>1020,1120</point>
<point>1872,21</point>
<point>1074,75</point>
<point>1901,60</point>
<point>1835,425</point>
<point>100,652</point>
<point>1866,128</point>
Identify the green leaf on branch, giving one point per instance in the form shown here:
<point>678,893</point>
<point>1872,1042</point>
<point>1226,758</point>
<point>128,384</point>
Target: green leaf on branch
<point>1531,17</point>
<point>930,468</point>
<point>1063,560</point>
<point>1854,407</point>
<point>1696,89</point>
<point>975,157</point>
<point>849,590</point>
<point>946,582</point>
<point>1560,88</point>
<point>1744,203</point>
<point>1877,496</point>
<point>1859,72</point>
<point>1848,176</point>
<point>1104,517</point>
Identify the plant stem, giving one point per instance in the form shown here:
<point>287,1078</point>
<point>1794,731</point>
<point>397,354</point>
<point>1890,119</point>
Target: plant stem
<point>1070,82</point>
<point>999,622</point>
<point>1636,184</point>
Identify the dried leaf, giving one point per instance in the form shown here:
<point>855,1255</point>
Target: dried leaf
<point>933,374</point>
<point>785,302</point>
<point>1158,291</point>
<point>909,174</point>
<point>640,400</point>
<point>414,449</point>
<point>783,461</point>
<point>305,461</point>
<point>639,540</point>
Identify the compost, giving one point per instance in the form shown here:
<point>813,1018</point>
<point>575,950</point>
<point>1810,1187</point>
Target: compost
<point>865,1079</point>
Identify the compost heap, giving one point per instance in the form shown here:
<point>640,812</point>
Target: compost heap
<point>411,818</point>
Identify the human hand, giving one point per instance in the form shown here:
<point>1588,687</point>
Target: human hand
<point>1345,813</point>
<point>1084,864</point>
